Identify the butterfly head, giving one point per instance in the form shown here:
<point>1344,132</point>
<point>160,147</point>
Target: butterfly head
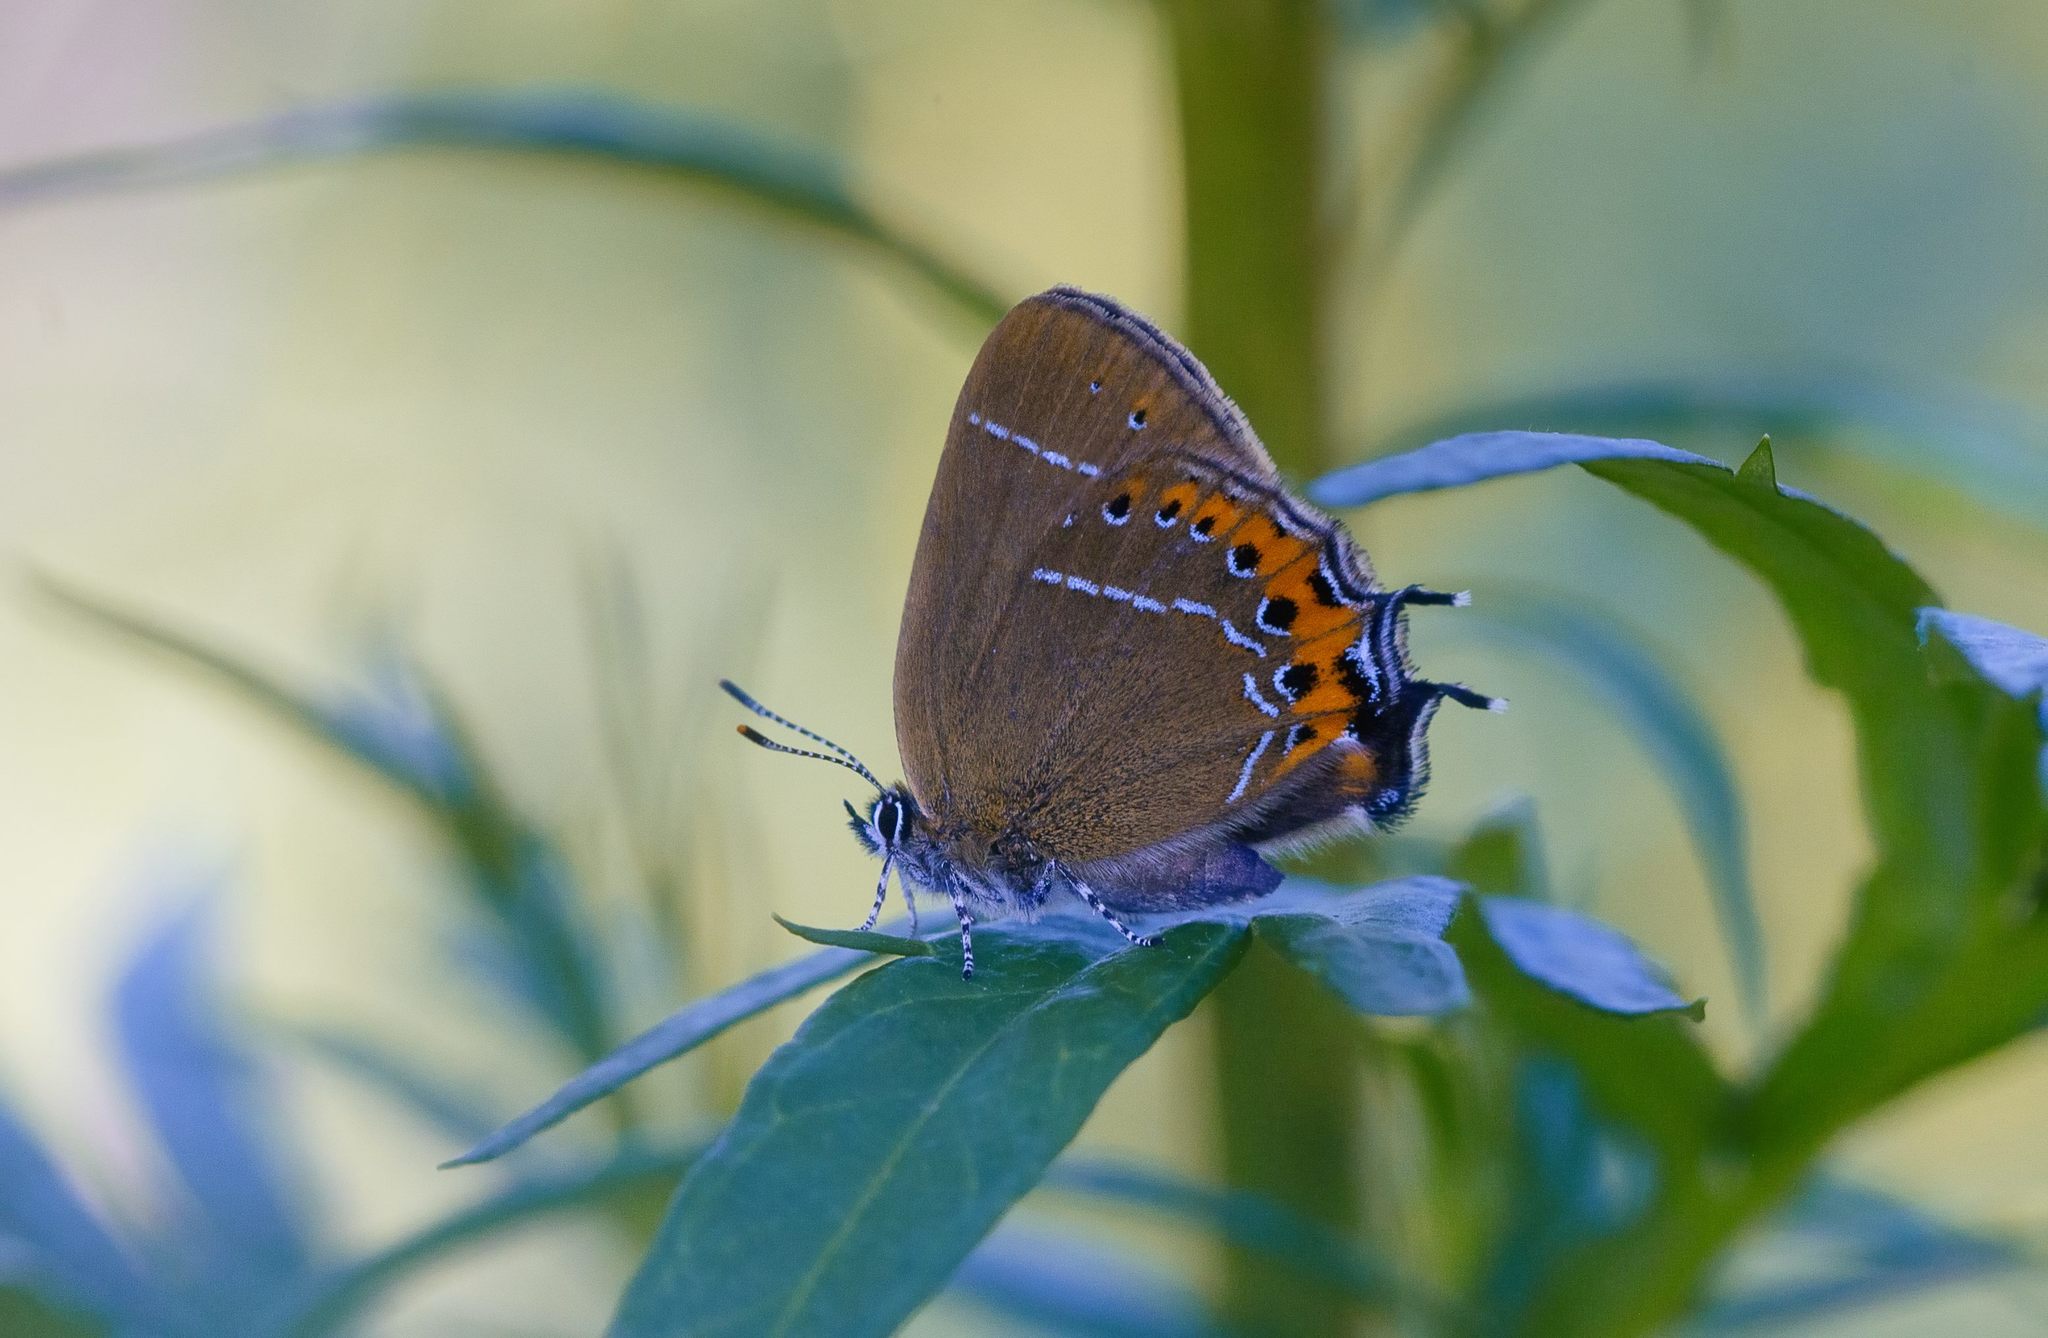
<point>890,824</point>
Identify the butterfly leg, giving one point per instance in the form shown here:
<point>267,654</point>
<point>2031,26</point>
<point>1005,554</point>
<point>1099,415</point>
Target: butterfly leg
<point>1096,904</point>
<point>881,895</point>
<point>966,937</point>
<point>909,904</point>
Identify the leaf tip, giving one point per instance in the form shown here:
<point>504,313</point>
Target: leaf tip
<point>1761,467</point>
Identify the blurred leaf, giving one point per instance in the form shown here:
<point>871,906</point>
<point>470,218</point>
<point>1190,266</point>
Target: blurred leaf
<point>444,1105</point>
<point>863,940</point>
<point>24,1314</point>
<point>1254,1222</point>
<point>791,182</point>
<point>332,1302</point>
<point>404,733</point>
<point>241,1226</point>
<point>1882,1247</point>
<point>65,1253</point>
<point>1989,451</point>
<point>1576,955</point>
<point>1575,1179</point>
<point>1380,949</point>
<point>1502,853</point>
<point>942,1101</point>
<point>1078,1289</point>
<point>675,1035</point>
<point>1649,700</point>
<point>1497,44</point>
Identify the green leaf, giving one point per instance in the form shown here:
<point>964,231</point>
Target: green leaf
<point>1947,953</point>
<point>1577,955</point>
<point>330,1302</point>
<point>1379,949</point>
<point>863,940</point>
<point>942,1101</point>
<point>1478,457</point>
<point>1949,773</point>
<point>1649,699</point>
<point>674,1035</point>
<point>1950,789</point>
<point>2011,660</point>
<point>1986,451</point>
<point>685,145</point>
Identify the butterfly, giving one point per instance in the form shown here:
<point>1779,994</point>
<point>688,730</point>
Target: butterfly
<point>1132,666</point>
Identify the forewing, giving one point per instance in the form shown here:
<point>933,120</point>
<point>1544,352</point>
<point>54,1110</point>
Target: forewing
<point>1121,631</point>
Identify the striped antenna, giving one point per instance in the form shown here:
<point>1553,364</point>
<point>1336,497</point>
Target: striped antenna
<point>843,757</point>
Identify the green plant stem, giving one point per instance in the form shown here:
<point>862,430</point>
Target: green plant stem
<point>1250,84</point>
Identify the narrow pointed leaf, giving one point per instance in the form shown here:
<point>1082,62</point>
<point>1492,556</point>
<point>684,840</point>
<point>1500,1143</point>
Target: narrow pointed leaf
<point>685,145</point>
<point>863,940</point>
<point>63,1248</point>
<point>1990,451</point>
<point>1575,954</point>
<point>675,1035</point>
<point>1480,456</point>
<point>212,1109</point>
<point>942,1101</point>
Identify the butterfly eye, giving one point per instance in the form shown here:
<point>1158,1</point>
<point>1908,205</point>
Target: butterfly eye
<point>1095,387</point>
<point>1117,509</point>
<point>888,819</point>
<point>1137,418</point>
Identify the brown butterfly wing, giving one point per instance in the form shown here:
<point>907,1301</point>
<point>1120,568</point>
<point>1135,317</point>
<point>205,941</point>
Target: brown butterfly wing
<point>1124,644</point>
